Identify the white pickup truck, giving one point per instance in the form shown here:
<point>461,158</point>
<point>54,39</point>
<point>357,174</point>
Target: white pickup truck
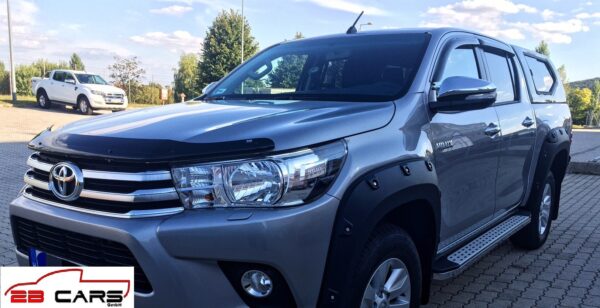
<point>84,91</point>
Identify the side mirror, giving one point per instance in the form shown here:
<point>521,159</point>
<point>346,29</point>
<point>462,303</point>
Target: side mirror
<point>463,93</point>
<point>71,81</point>
<point>208,87</point>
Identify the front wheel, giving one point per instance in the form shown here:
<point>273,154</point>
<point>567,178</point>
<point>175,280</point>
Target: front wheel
<point>535,234</point>
<point>84,106</point>
<point>43,100</point>
<point>389,272</point>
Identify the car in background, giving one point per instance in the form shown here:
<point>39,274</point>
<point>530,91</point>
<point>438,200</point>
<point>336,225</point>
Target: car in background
<point>84,91</point>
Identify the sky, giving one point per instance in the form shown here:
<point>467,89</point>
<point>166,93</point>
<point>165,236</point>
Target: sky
<point>159,31</point>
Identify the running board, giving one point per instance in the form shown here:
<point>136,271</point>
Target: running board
<point>456,262</point>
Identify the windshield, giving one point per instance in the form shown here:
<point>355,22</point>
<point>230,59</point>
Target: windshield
<point>90,79</point>
<point>349,68</point>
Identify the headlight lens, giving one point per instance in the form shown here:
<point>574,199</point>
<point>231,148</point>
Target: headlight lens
<point>96,92</point>
<point>281,180</point>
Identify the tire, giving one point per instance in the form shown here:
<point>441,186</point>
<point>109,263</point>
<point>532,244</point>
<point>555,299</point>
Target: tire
<point>43,100</point>
<point>388,246</point>
<point>535,234</point>
<point>83,104</point>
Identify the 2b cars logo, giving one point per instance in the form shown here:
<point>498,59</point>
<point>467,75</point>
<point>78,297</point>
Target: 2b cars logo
<point>67,287</point>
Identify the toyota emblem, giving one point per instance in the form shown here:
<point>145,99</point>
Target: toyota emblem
<point>66,181</point>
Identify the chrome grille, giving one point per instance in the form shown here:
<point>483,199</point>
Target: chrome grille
<point>113,95</point>
<point>117,193</point>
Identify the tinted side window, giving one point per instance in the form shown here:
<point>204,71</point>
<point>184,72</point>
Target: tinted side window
<point>501,76</point>
<point>69,76</point>
<point>461,62</point>
<point>59,76</point>
<point>540,73</point>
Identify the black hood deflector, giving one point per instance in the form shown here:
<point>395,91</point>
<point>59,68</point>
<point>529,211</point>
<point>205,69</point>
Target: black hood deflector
<point>213,130</point>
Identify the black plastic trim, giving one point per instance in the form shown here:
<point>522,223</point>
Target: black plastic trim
<point>281,296</point>
<point>362,208</point>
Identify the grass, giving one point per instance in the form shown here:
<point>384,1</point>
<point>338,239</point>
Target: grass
<point>24,101</point>
<point>6,101</point>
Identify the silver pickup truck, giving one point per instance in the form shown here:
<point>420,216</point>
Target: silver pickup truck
<point>346,170</point>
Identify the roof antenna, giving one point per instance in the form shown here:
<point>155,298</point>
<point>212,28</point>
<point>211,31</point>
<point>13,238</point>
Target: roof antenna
<point>352,28</point>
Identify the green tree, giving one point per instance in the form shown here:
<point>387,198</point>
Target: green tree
<point>222,47</point>
<point>127,74</point>
<point>186,76</point>
<point>543,48</point>
<point>149,94</point>
<point>288,69</point>
<point>75,63</point>
<point>4,79</point>
<point>23,75</point>
<point>595,104</point>
<point>580,102</point>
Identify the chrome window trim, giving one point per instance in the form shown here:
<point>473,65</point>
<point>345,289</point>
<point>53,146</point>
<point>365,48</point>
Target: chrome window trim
<point>128,215</point>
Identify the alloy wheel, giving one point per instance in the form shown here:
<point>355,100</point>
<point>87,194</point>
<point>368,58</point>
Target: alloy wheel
<point>389,286</point>
<point>545,205</point>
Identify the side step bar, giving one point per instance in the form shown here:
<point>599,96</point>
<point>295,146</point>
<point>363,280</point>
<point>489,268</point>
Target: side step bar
<point>456,262</point>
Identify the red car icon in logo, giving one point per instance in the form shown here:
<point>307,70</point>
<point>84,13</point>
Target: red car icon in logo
<point>79,291</point>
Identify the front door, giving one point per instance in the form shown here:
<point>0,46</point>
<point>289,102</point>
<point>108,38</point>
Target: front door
<point>466,150</point>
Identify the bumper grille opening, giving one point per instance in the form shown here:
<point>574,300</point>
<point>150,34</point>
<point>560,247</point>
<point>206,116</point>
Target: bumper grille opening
<point>76,248</point>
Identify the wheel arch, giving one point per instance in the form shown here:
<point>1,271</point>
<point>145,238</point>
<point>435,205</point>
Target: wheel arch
<point>405,194</point>
<point>80,95</point>
<point>554,157</point>
<point>39,91</point>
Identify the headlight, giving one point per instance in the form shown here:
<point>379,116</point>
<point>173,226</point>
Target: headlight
<point>281,180</point>
<point>96,92</point>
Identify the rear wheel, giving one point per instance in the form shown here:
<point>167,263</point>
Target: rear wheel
<point>389,272</point>
<point>535,234</point>
<point>43,100</point>
<point>84,106</point>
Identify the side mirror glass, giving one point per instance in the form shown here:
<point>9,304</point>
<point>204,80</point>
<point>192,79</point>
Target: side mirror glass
<point>463,93</point>
<point>71,81</point>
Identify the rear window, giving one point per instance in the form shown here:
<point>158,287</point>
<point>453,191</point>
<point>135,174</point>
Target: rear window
<point>541,75</point>
<point>349,68</point>
<point>501,76</point>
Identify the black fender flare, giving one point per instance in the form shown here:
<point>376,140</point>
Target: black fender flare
<point>367,201</point>
<point>557,141</point>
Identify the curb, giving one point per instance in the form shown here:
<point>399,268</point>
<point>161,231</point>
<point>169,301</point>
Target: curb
<point>584,168</point>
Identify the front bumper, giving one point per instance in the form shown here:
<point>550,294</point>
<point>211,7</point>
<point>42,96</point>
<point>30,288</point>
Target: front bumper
<point>179,253</point>
<point>100,102</point>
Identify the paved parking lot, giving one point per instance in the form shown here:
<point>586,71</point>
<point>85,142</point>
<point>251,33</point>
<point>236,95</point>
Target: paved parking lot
<point>565,272</point>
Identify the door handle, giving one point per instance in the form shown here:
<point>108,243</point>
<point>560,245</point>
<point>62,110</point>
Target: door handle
<point>527,122</point>
<point>492,130</point>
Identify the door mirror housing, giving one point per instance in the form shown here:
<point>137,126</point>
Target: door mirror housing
<point>208,87</point>
<point>71,81</point>
<point>463,93</point>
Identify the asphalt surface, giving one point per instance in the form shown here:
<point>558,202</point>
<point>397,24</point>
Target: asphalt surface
<point>564,272</point>
<point>586,145</point>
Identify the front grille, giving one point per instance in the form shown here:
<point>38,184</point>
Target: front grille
<point>113,95</point>
<point>100,164</point>
<point>112,189</point>
<point>76,248</point>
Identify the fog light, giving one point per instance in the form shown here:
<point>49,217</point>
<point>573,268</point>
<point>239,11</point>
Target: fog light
<point>257,283</point>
